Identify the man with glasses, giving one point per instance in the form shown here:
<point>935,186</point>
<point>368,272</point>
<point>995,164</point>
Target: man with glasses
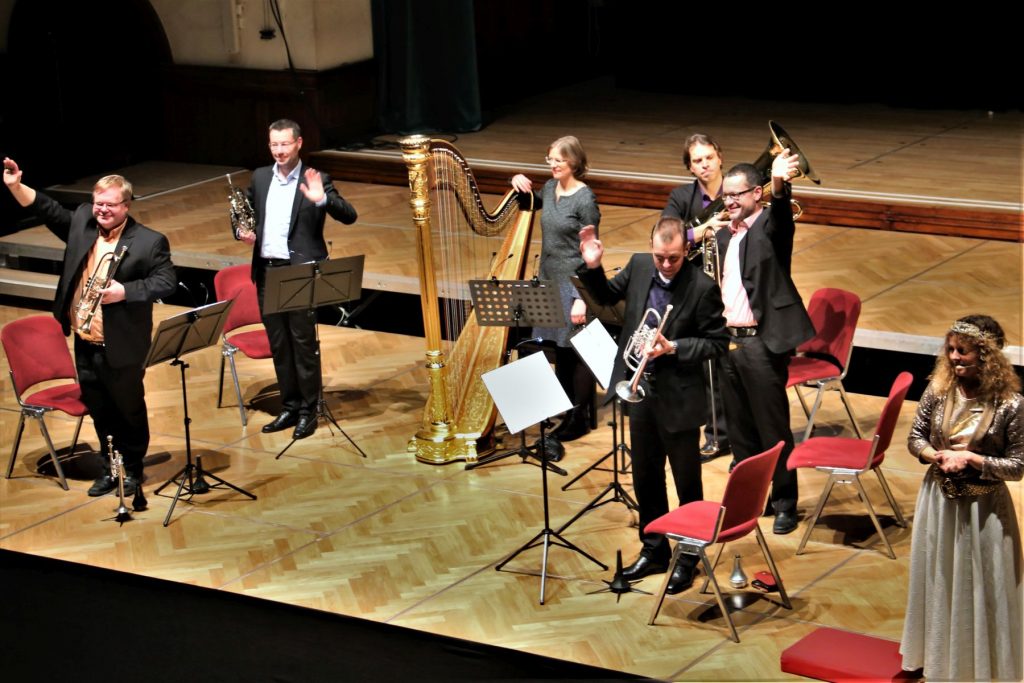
<point>290,204</point>
<point>702,155</point>
<point>666,423</point>
<point>109,352</point>
<point>766,319</point>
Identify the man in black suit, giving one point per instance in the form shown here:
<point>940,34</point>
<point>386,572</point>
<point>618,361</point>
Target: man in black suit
<point>290,206</point>
<point>667,421</point>
<point>110,354</point>
<point>766,319</point>
<point>702,155</point>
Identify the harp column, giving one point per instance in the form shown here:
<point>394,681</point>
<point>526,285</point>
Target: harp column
<point>436,435</point>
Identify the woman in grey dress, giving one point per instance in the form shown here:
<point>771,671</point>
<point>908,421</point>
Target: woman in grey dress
<point>964,603</point>
<point>567,206</point>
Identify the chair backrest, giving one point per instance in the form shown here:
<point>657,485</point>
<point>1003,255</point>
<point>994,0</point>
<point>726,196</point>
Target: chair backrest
<point>890,415</point>
<point>747,488</point>
<point>834,313</point>
<point>235,283</point>
<point>37,351</point>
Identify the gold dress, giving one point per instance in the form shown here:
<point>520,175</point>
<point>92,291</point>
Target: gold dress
<point>964,603</point>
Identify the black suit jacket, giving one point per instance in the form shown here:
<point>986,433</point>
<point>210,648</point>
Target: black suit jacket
<point>145,271</point>
<point>306,232</point>
<point>695,323</point>
<point>684,202</point>
<point>766,257</point>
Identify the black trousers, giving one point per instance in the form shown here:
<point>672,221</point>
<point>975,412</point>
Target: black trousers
<point>753,381</point>
<point>718,415</point>
<point>651,445</point>
<point>293,342</point>
<point>116,400</point>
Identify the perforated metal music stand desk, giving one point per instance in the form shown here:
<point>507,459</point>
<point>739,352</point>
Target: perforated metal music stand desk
<point>180,334</point>
<point>306,287</point>
<point>517,303</point>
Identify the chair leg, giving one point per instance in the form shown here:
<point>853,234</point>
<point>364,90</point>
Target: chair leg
<point>78,430</point>
<point>17,442</point>
<point>53,452</point>
<point>220,385</point>
<point>238,390</point>
<point>849,409</point>
<point>817,513</point>
<point>803,403</point>
<point>874,518</point>
<point>814,411</point>
<point>900,519</point>
<point>718,595</point>
<point>714,566</point>
<point>772,568</point>
<point>676,552</point>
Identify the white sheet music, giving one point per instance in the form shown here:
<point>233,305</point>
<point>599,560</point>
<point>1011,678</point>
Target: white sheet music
<point>597,349</point>
<point>526,392</point>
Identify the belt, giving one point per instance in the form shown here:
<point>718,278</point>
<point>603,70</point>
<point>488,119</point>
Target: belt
<point>275,262</point>
<point>750,331</point>
<point>98,345</point>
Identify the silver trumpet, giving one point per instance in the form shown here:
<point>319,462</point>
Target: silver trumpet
<point>117,470</point>
<point>636,355</point>
<point>737,579</point>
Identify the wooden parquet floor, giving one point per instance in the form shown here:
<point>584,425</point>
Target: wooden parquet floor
<point>388,539</point>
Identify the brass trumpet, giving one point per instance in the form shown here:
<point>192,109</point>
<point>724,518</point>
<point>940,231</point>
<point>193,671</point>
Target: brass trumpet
<point>636,355</point>
<point>91,295</point>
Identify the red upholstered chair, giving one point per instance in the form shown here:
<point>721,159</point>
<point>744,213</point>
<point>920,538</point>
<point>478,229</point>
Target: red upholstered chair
<point>844,459</point>
<point>235,282</point>
<point>697,525</point>
<point>821,362</point>
<point>37,352</point>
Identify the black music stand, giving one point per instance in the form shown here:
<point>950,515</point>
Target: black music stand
<point>527,393</point>
<point>517,303</point>
<point>180,334</point>
<point>609,315</point>
<point>307,287</point>
<point>594,354</point>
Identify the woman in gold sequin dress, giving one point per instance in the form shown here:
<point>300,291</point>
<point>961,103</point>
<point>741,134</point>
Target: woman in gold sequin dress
<point>963,619</point>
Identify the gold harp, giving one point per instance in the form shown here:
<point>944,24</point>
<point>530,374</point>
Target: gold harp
<point>448,212</point>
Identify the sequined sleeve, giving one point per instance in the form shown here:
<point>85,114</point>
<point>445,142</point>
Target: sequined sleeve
<point>920,430</point>
<point>1009,465</point>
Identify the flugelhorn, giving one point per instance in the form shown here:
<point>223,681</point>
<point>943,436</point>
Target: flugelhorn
<point>92,297</point>
<point>243,218</point>
<point>636,355</point>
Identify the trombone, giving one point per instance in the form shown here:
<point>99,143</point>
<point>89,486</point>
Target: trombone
<point>637,353</point>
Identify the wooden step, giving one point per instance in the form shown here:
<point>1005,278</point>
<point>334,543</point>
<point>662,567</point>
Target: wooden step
<point>27,284</point>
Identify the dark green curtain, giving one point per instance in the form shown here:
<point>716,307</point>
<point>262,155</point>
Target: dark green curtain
<point>426,66</point>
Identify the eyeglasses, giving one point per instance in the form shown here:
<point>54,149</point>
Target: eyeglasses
<point>554,161</point>
<point>107,205</point>
<point>282,145</point>
<point>736,195</point>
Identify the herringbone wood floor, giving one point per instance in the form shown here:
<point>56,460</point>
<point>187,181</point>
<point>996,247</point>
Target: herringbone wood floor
<point>388,539</point>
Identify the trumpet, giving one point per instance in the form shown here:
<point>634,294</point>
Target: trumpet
<point>636,355</point>
<point>85,312</point>
<point>117,470</point>
<point>243,218</point>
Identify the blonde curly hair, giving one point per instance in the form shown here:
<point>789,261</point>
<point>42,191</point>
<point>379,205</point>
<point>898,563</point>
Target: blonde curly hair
<point>997,378</point>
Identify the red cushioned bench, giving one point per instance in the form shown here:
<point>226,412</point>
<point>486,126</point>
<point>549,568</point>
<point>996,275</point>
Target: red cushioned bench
<point>829,654</point>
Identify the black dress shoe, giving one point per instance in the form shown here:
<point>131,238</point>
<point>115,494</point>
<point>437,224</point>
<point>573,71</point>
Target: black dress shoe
<point>283,421</point>
<point>103,485</point>
<point>682,578</point>
<point>131,483</point>
<point>785,522</point>
<point>644,566</point>
<point>305,427</point>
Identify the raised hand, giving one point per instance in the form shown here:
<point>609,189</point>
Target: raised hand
<point>313,187</point>
<point>591,248</point>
